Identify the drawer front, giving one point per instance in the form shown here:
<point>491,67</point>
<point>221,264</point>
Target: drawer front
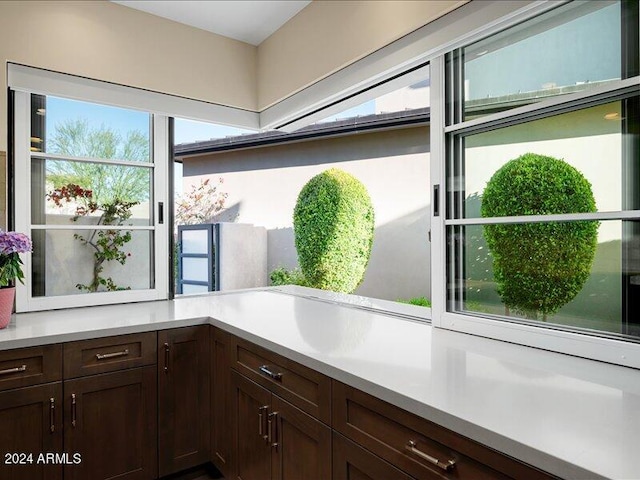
<point>305,388</point>
<point>29,366</point>
<point>419,447</point>
<point>100,355</point>
<point>352,462</point>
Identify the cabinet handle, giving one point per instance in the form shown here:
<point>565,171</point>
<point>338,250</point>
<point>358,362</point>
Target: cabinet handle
<point>73,410</point>
<point>261,419</point>
<point>123,353</point>
<point>272,435</point>
<point>276,376</point>
<point>52,414</point>
<point>166,358</point>
<point>446,466</point>
<point>21,368</point>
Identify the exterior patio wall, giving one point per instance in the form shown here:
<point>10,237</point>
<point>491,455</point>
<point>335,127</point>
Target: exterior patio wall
<point>68,262</point>
<point>263,185</point>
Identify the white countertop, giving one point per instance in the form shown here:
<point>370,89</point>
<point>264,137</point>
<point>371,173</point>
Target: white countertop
<point>572,417</point>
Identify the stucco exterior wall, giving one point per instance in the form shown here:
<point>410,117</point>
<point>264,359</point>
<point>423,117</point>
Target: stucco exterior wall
<point>263,185</point>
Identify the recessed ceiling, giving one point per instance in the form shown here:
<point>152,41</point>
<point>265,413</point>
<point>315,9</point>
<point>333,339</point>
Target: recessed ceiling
<point>248,20</point>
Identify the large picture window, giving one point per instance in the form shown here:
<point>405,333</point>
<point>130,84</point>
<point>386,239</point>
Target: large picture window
<point>95,202</point>
<point>542,185</point>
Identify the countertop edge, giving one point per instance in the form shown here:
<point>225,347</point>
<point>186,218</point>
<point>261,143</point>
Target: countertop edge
<point>505,445</point>
<point>500,443</point>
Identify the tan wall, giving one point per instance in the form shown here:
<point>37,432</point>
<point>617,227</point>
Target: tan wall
<point>263,186</point>
<point>328,35</point>
<point>3,190</point>
<point>106,41</point>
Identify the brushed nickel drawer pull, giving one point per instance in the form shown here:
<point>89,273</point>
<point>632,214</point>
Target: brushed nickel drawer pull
<point>261,418</point>
<point>104,356</point>
<point>166,358</point>
<point>276,376</point>
<point>272,437</point>
<point>52,414</point>
<point>73,410</point>
<point>21,368</point>
<point>446,466</point>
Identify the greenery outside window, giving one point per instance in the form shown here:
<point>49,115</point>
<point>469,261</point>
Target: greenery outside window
<point>95,204</point>
<point>542,192</point>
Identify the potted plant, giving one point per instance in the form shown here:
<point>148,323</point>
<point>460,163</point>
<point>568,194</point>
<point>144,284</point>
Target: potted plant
<point>11,244</point>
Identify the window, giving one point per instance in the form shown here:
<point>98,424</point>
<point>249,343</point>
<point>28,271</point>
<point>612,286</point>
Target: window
<point>570,49</point>
<point>95,204</point>
<point>380,137</point>
<point>542,192</point>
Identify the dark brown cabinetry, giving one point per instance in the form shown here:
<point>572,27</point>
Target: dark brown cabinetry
<point>303,387</point>
<point>352,462</point>
<point>110,408</point>
<point>30,413</point>
<point>421,448</point>
<point>250,413</point>
<point>30,425</point>
<point>135,407</point>
<point>275,439</point>
<point>110,421</point>
<point>281,411</point>
<point>183,398</point>
<point>221,424</point>
<point>302,444</point>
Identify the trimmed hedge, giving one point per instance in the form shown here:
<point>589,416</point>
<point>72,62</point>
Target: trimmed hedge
<point>539,267</point>
<point>282,276</point>
<point>333,224</point>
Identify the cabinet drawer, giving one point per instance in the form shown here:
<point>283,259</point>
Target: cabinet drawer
<point>414,444</point>
<point>100,355</point>
<point>305,388</point>
<point>352,462</point>
<point>29,366</point>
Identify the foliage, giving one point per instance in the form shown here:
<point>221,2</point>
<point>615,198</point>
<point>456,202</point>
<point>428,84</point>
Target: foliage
<point>11,244</point>
<point>107,244</point>
<point>282,276</point>
<point>201,203</point>
<point>539,267</point>
<point>107,182</point>
<point>333,225</point>
<point>419,301</point>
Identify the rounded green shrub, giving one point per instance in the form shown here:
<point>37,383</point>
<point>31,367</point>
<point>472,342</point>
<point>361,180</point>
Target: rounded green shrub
<point>333,224</point>
<point>539,267</point>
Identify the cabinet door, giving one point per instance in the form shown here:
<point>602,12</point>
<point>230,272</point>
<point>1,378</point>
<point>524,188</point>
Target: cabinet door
<point>183,398</point>
<point>300,444</point>
<point>111,421</point>
<point>249,416</point>
<point>221,438</point>
<point>352,462</point>
<point>31,420</point>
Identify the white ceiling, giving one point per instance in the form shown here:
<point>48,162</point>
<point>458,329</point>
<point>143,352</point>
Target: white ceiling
<point>249,21</point>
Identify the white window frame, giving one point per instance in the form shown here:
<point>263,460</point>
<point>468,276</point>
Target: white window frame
<point>158,165</point>
<point>621,352</point>
<point>25,80</point>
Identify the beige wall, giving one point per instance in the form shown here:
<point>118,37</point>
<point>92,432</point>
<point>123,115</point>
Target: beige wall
<point>329,35</point>
<point>263,185</point>
<point>106,41</point>
<point>3,190</point>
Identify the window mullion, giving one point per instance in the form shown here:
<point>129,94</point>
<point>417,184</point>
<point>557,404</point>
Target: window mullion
<point>437,172</point>
<point>102,161</point>
<point>562,104</point>
<point>22,204</point>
